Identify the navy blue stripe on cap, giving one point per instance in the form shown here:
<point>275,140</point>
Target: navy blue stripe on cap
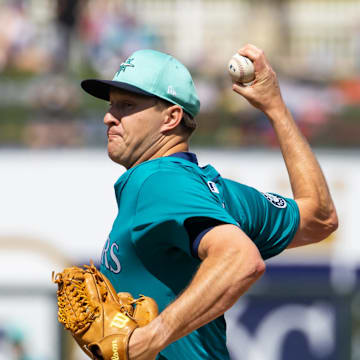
<point>101,88</point>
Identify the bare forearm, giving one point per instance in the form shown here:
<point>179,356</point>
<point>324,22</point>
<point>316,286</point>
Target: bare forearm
<point>306,177</point>
<point>207,297</point>
<point>224,275</point>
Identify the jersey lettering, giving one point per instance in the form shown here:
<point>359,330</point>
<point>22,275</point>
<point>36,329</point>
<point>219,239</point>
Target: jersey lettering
<point>104,252</point>
<point>109,251</point>
<point>115,259</point>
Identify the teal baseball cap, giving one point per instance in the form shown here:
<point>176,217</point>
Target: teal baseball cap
<point>151,73</point>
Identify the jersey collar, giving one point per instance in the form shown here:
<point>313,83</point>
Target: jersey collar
<point>186,156</point>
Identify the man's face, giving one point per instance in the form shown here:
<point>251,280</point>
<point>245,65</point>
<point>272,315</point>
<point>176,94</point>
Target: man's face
<point>133,123</point>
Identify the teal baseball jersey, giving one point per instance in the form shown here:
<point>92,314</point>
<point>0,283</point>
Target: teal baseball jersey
<point>149,250</point>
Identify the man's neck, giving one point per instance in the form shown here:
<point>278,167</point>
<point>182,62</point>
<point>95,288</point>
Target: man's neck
<point>178,148</point>
<point>164,151</point>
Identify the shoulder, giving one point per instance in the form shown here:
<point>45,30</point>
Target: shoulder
<point>239,189</point>
<point>161,172</point>
<point>268,200</point>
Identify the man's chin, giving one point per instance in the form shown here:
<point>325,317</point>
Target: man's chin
<point>117,158</point>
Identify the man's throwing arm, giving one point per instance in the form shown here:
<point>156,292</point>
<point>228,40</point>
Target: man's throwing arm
<point>318,218</point>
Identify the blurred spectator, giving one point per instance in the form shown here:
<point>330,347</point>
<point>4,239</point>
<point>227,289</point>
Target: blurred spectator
<point>111,34</point>
<point>350,89</point>
<point>56,100</point>
<point>67,15</point>
<point>19,47</point>
<point>55,94</point>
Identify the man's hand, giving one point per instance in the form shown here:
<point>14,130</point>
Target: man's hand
<point>264,92</point>
<point>141,344</point>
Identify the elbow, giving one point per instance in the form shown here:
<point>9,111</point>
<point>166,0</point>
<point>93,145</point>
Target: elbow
<point>246,267</point>
<point>259,268</point>
<point>325,227</point>
<point>317,221</point>
<point>333,221</point>
<point>242,280</point>
<point>255,269</point>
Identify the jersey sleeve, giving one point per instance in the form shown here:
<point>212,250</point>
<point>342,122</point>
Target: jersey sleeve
<point>166,200</point>
<point>281,220</point>
<point>269,219</point>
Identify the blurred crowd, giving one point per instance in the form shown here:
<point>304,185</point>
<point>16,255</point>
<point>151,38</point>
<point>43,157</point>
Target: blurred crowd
<point>45,51</point>
<point>100,31</point>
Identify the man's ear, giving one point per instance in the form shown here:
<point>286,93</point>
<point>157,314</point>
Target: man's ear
<point>172,117</point>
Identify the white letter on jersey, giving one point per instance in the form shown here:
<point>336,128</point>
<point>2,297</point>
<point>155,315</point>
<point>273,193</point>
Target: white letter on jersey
<point>115,259</point>
<point>104,252</point>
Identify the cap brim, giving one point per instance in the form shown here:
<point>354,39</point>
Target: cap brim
<point>101,88</point>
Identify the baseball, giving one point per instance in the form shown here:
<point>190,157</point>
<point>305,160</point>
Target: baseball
<point>241,69</point>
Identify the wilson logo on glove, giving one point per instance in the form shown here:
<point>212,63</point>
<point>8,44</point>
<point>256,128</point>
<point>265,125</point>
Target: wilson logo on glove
<point>119,321</point>
<point>115,348</point>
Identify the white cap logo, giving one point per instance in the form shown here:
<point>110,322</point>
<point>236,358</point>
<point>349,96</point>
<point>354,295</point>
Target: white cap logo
<point>171,90</point>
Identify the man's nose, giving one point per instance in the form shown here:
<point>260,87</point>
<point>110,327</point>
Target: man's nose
<point>110,119</point>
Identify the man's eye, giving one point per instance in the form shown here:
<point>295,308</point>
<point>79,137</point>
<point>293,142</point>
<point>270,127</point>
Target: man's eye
<point>121,105</point>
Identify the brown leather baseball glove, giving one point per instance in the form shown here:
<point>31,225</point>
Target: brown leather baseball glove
<point>100,320</point>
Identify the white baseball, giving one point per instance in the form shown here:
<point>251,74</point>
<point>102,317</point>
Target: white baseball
<point>241,69</point>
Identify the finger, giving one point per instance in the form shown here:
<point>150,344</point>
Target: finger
<point>241,89</point>
<point>251,47</point>
<point>256,55</point>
